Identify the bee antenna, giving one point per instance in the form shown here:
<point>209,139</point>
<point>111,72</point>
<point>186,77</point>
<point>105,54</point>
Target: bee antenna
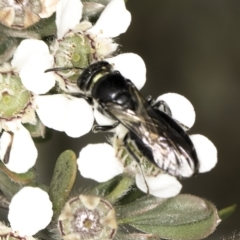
<point>62,69</point>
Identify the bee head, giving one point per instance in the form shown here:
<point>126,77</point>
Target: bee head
<point>92,74</point>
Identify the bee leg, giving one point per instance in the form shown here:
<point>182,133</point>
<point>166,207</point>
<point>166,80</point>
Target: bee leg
<point>162,106</point>
<point>150,100</point>
<point>98,128</point>
<point>136,158</point>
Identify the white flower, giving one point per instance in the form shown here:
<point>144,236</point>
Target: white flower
<point>65,113</point>
<point>99,162</point>
<point>68,15</point>
<point>114,20</point>
<point>17,149</point>
<point>206,152</point>
<point>181,108</point>
<point>30,211</point>
<point>95,42</point>
<point>32,58</point>
<point>89,165</point>
<point>162,185</point>
<point>23,153</point>
<point>60,112</point>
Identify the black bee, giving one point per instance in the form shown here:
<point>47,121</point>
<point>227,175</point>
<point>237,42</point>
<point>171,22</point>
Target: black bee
<point>153,132</point>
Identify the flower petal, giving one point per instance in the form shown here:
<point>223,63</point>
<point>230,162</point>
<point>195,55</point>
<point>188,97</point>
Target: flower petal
<point>30,211</point>
<point>181,108</point>
<point>206,152</point>
<point>52,110</point>
<point>131,66</point>
<point>163,185</point>
<point>23,153</point>
<point>79,118</point>
<point>114,20</point>
<point>65,113</point>
<point>101,119</point>
<point>31,59</point>
<point>68,15</point>
<point>33,76</point>
<point>26,49</point>
<point>98,162</point>
<point>48,8</point>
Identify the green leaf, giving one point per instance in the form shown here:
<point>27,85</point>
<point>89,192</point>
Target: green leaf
<point>64,176</point>
<point>183,217</point>
<point>136,236</point>
<point>104,2</point>
<point>130,212</point>
<point>103,189</point>
<point>226,212</point>
<point>7,48</point>
<point>45,27</point>
<point>7,186</point>
<point>131,196</point>
<point>121,189</point>
<point>91,9</point>
<point>36,130</point>
<point>23,178</point>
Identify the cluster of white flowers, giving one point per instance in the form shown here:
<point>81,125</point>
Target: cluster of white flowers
<point>30,209</point>
<point>61,112</point>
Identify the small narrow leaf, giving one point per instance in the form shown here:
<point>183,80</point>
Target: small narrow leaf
<point>136,236</point>
<point>131,196</point>
<point>23,178</point>
<point>226,212</point>
<point>8,46</point>
<point>121,189</point>
<point>105,188</point>
<point>183,217</point>
<point>7,186</point>
<point>36,130</point>
<point>130,212</point>
<point>64,176</point>
<point>91,9</point>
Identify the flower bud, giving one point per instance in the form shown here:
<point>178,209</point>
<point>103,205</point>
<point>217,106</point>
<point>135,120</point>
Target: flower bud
<point>14,98</point>
<point>87,217</point>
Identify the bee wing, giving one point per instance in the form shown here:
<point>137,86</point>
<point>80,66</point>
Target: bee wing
<point>170,145</point>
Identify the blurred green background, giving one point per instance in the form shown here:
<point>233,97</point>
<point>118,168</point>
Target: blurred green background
<point>192,48</point>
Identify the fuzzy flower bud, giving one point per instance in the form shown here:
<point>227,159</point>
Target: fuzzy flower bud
<point>87,218</point>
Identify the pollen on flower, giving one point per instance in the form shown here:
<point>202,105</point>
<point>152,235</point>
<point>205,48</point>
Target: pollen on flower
<point>87,217</point>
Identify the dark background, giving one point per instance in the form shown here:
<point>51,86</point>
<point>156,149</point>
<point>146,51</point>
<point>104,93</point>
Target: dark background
<point>192,48</point>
